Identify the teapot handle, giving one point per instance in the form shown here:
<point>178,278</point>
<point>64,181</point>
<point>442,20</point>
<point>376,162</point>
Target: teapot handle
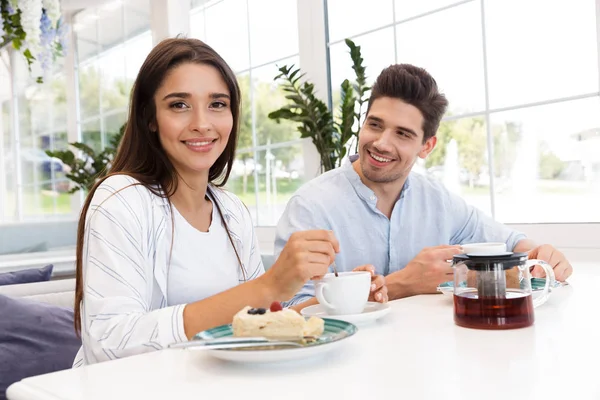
<point>550,281</point>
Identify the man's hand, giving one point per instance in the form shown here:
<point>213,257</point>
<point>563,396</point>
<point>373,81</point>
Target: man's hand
<point>557,260</point>
<point>424,273</point>
<point>379,291</point>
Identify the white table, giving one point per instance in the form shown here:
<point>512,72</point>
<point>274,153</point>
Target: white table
<point>415,352</point>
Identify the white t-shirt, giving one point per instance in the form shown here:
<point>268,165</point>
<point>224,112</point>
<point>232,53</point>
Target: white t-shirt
<point>202,263</point>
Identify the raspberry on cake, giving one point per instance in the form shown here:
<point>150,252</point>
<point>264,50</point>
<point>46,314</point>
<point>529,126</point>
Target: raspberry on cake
<point>275,323</point>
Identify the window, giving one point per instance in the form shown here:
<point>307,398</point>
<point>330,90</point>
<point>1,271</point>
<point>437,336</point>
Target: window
<point>519,141</point>
<point>452,53</point>
<point>460,160</point>
<point>266,47</point>
<point>352,17</point>
<point>411,9</point>
<point>112,43</point>
<point>512,79</point>
<point>7,200</point>
<point>534,60</point>
<point>269,162</point>
<point>377,50</point>
<point>32,183</point>
<point>547,162</point>
<point>43,127</point>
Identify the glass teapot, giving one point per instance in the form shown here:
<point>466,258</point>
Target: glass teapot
<point>494,291</point>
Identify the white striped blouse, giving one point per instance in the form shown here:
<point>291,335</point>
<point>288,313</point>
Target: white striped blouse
<point>126,265</point>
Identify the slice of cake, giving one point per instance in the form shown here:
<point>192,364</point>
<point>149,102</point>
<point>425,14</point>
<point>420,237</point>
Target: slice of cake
<point>275,323</point>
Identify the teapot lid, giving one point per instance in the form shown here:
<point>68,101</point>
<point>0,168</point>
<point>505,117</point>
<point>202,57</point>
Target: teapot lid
<point>491,261</point>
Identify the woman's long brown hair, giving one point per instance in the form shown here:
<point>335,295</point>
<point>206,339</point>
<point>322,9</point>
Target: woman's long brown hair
<point>140,154</point>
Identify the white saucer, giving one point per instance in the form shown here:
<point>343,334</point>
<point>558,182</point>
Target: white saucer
<point>491,254</point>
<point>372,312</point>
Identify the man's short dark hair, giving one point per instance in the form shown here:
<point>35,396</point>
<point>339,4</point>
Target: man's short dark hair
<point>414,86</point>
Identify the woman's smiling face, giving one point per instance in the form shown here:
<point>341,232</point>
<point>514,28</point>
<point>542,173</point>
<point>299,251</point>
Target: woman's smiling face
<point>193,116</point>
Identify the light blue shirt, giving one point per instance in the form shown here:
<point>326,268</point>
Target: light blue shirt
<point>425,215</point>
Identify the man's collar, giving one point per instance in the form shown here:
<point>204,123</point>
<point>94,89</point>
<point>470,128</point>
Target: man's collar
<point>361,189</point>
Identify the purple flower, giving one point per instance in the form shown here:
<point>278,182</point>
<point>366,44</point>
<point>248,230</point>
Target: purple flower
<point>46,38</point>
<point>48,34</point>
<point>10,9</point>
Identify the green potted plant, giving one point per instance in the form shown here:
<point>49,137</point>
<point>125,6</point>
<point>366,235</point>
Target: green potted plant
<point>330,132</point>
<point>87,167</point>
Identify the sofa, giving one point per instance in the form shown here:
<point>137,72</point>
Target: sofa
<point>36,330</point>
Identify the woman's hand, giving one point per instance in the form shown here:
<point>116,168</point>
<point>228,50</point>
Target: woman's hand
<point>307,255</point>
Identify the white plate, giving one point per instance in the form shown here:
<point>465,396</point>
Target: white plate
<point>372,312</point>
<point>333,336</point>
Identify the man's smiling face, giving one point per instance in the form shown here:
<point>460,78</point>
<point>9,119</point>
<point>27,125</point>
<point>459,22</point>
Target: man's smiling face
<point>391,140</point>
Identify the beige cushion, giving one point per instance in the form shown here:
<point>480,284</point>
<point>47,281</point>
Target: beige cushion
<point>62,299</point>
<point>59,292</point>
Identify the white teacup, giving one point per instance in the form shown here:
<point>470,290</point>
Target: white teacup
<point>345,294</point>
<point>490,248</point>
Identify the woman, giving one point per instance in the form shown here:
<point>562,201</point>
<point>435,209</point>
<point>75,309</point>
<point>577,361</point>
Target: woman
<point>162,251</point>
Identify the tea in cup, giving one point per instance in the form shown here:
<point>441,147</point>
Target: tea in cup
<point>345,294</point>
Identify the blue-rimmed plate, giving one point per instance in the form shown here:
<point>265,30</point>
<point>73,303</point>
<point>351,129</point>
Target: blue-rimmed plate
<point>537,284</point>
<point>334,333</point>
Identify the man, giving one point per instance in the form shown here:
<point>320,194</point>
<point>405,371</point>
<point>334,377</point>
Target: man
<point>404,224</point>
